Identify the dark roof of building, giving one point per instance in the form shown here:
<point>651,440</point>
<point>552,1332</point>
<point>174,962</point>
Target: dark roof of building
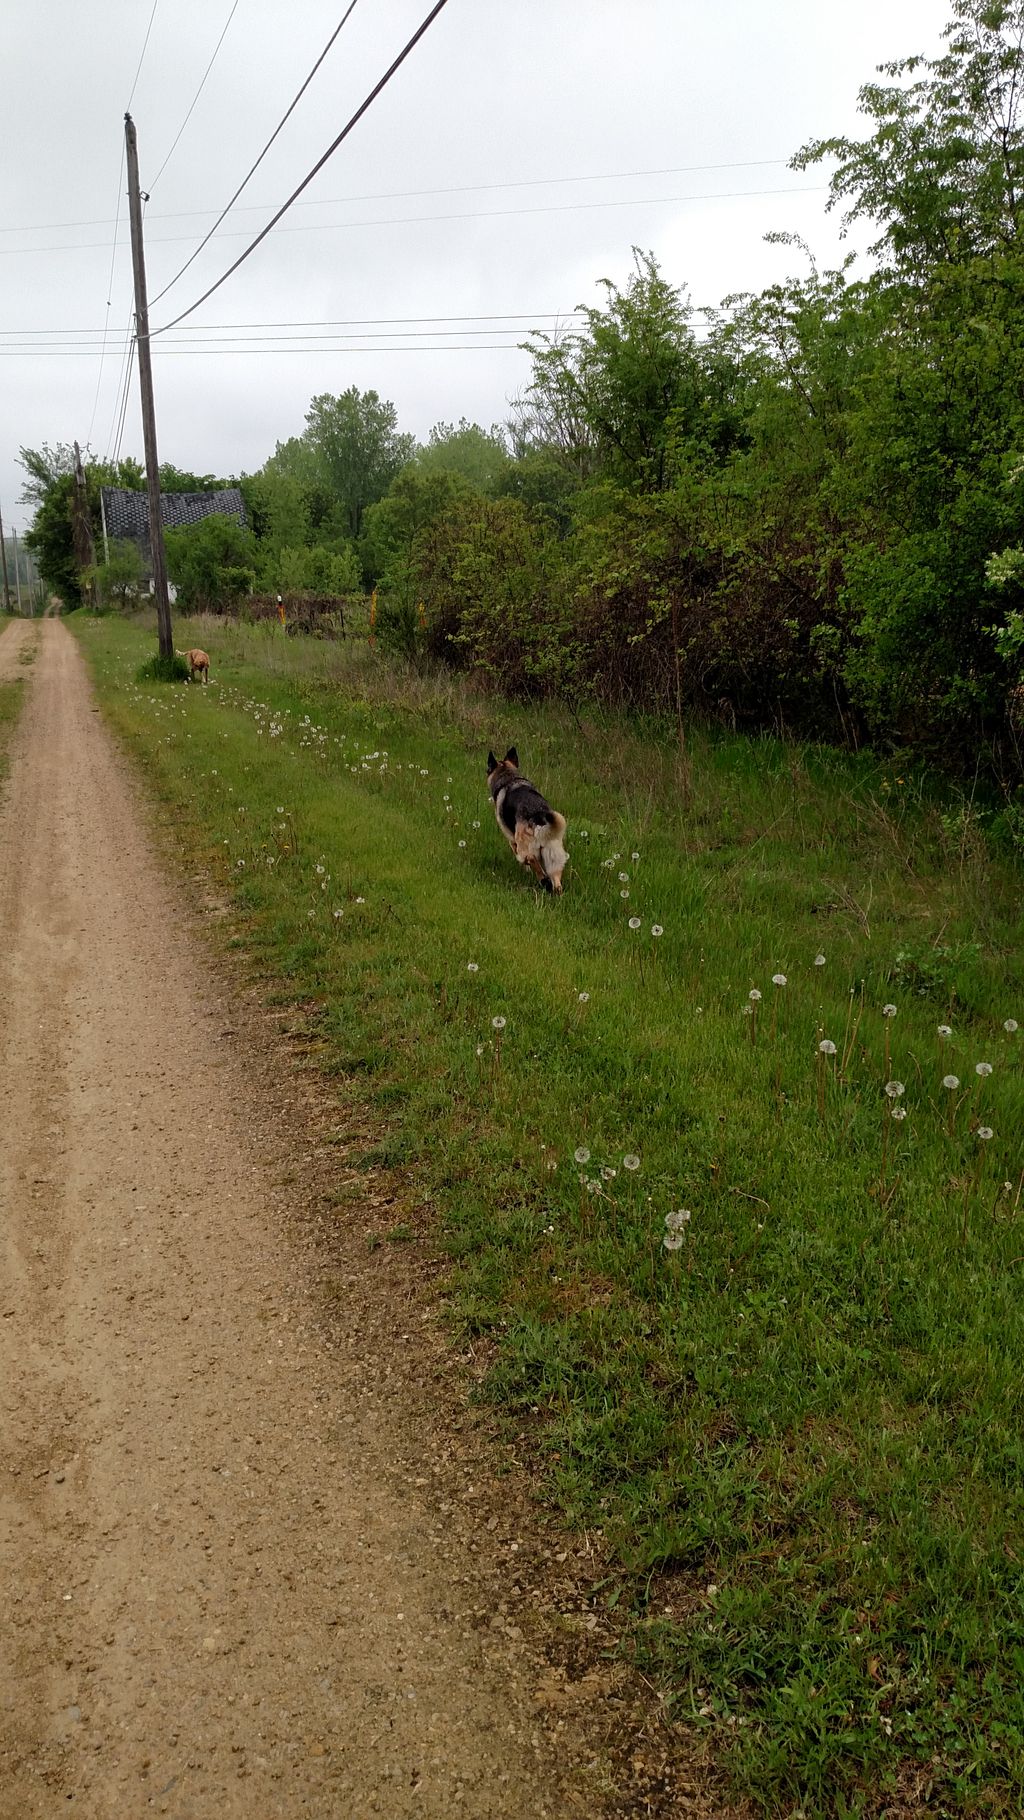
<point>126,513</point>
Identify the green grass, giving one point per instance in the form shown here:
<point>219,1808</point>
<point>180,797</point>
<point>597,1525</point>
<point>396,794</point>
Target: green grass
<point>801,1432</point>
<point>10,707</point>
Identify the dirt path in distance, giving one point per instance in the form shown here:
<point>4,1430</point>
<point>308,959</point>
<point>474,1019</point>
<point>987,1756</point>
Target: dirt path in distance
<point>246,1569</point>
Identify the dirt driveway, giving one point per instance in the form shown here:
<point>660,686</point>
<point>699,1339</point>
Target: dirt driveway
<point>231,1586</point>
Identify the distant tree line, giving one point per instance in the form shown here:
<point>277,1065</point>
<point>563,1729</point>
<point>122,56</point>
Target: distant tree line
<point>806,510</point>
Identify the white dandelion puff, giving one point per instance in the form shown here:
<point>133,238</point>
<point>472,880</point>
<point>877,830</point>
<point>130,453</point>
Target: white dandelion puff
<point>951,1082</point>
<point>888,1011</point>
<point>631,1162</point>
<point>826,1047</point>
<point>985,1132</point>
<point>498,1023</point>
<point>895,1089</point>
<point>1010,1026</point>
<point>656,929</point>
<point>945,1030</point>
<point>983,1068</point>
<point>582,1155</point>
<point>584,998</point>
<point>634,922</point>
<point>754,996</point>
<point>472,966</point>
<point>676,1221</point>
<point>898,1112</point>
<point>819,960</point>
<point>779,979</point>
<point>672,1241</point>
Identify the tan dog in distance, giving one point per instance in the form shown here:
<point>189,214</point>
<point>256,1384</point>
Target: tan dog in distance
<point>197,661</point>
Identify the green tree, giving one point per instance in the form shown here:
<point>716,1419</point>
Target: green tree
<point>119,578</point>
<point>354,450</point>
<point>480,456</point>
<point>942,174</point>
<point>212,564</point>
<point>625,394</point>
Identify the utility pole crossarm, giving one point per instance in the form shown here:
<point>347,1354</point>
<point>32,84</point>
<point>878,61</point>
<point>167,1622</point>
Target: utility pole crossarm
<point>156,528</point>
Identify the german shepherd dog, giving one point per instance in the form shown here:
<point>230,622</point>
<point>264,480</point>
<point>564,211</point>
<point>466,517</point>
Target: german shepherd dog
<point>532,828</point>
<point>198,664</point>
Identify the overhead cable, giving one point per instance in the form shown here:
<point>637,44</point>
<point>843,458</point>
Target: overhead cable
<point>255,167</point>
<point>452,189</point>
<point>195,97</point>
<point>437,8</point>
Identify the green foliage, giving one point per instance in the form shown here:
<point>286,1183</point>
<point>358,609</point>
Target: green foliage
<point>212,564</point>
<point>943,172</point>
<point>348,454</point>
<point>480,456</point>
<point>118,580</point>
<point>159,669</point>
<point>312,570</point>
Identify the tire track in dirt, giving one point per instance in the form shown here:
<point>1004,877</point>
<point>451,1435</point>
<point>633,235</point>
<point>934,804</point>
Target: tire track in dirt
<point>223,1594</point>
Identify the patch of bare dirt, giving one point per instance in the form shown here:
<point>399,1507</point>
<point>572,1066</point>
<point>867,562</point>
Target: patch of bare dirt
<point>258,1555</point>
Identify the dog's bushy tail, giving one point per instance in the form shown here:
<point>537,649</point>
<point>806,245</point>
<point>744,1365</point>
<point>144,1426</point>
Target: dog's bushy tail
<point>553,856</point>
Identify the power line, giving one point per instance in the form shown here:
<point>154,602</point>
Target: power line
<point>110,286</point>
<point>145,42</point>
<point>253,168</point>
<point>343,322</point>
<point>456,189</point>
<point>336,227</point>
<point>195,97</point>
<point>260,353</point>
<point>331,149</point>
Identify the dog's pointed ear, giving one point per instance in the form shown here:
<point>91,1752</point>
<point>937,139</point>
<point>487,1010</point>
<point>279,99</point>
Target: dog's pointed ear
<point>492,763</point>
<point>512,757</point>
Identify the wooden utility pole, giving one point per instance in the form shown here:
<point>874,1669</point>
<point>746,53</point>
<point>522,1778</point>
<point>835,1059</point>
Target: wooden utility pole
<point>17,569</point>
<point>3,553</point>
<point>156,526</point>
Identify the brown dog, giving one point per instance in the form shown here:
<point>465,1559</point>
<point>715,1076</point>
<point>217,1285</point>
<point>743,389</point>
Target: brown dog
<point>197,662</point>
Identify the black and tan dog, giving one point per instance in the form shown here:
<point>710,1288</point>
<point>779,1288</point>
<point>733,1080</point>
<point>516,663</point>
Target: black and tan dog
<point>532,828</point>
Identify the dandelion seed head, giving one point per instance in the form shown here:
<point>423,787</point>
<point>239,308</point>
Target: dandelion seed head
<point>985,1132</point>
<point>656,929</point>
<point>462,843</point>
<point>623,878</point>
<point>672,1241</point>
<point>634,856</point>
<point>754,996</point>
<point>608,1174</point>
<point>819,960</point>
<point>631,1162</point>
<point>895,1089</point>
<point>826,1047</point>
<point>898,1112</point>
<point>584,998</point>
<point>499,1022</point>
<point>888,1011</point>
<point>779,979</point>
<point>945,1030</point>
<point>951,1081</point>
<point>983,1068</point>
<point>472,966</point>
<point>676,1221</point>
<point>634,922</point>
<point>1010,1025</point>
<point>582,1155</point>
<point>624,893</point>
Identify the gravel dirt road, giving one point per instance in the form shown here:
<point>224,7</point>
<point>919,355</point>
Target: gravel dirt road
<point>236,1579</point>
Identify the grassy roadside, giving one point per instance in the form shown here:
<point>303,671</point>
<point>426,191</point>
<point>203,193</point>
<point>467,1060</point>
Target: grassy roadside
<point>10,707</point>
<point>799,1427</point>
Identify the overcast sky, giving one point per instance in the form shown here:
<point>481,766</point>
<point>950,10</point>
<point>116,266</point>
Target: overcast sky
<point>514,160</point>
